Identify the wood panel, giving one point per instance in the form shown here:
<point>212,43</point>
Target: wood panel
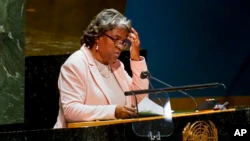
<point>120,121</point>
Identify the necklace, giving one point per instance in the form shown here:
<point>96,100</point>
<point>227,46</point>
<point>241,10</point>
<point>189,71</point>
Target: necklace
<point>104,70</point>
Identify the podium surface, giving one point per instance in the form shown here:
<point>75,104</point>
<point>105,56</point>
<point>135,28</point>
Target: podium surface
<point>120,121</point>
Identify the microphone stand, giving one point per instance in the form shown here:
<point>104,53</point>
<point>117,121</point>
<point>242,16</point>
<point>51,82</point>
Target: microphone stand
<point>196,106</point>
<point>156,94</point>
<point>170,89</point>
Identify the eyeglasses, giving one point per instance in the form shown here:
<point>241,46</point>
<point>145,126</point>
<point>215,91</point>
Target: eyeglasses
<point>125,44</point>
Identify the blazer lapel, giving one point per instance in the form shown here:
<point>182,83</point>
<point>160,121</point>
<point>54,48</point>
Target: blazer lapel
<point>95,73</point>
<point>121,78</point>
<point>99,80</point>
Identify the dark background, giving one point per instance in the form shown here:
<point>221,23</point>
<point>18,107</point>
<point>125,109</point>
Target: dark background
<point>193,42</point>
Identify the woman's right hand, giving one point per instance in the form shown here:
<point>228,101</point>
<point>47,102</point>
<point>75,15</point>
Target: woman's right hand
<point>123,111</point>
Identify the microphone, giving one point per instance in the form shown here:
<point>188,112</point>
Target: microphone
<point>147,75</point>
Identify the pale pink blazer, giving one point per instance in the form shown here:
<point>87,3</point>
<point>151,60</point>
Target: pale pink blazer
<point>83,93</point>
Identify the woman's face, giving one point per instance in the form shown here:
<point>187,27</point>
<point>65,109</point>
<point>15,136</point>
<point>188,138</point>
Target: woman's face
<point>110,44</point>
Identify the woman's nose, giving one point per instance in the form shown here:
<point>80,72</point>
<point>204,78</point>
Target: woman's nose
<point>120,46</point>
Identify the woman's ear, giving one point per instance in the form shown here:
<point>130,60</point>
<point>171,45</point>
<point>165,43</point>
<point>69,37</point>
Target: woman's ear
<point>97,40</point>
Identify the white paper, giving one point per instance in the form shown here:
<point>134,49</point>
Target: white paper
<point>148,107</point>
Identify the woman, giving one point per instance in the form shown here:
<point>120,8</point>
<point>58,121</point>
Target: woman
<point>92,81</point>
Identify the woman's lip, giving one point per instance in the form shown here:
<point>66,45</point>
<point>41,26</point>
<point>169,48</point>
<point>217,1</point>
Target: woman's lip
<point>116,53</point>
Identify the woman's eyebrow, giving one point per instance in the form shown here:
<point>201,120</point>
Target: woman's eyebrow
<point>118,37</point>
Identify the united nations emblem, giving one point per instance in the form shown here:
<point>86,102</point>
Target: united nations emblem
<point>200,131</point>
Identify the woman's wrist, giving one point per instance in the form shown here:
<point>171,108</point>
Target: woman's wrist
<point>136,57</point>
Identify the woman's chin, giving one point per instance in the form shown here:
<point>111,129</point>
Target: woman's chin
<point>114,60</point>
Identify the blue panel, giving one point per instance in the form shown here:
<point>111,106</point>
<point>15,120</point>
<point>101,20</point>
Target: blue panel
<point>192,42</point>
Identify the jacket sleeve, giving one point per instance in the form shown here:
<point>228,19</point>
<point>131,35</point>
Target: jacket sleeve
<point>136,83</point>
<point>72,86</point>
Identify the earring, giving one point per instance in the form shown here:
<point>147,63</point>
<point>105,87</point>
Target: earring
<point>96,47</point>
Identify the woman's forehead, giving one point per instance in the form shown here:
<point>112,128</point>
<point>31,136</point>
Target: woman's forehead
<point>119,32</point>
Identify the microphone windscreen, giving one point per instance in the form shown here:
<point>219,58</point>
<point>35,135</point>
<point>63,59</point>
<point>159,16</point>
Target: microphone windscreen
<point>145,74</point>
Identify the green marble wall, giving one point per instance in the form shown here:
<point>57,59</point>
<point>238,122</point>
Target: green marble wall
<point>12,44</point>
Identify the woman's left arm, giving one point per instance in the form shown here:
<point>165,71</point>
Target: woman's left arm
<point>138,64</point>
<point>136,83</point>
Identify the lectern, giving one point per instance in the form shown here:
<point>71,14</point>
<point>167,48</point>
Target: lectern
<point>155,129</point>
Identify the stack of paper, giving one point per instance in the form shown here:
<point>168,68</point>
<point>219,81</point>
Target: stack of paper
<point>147,107</point>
